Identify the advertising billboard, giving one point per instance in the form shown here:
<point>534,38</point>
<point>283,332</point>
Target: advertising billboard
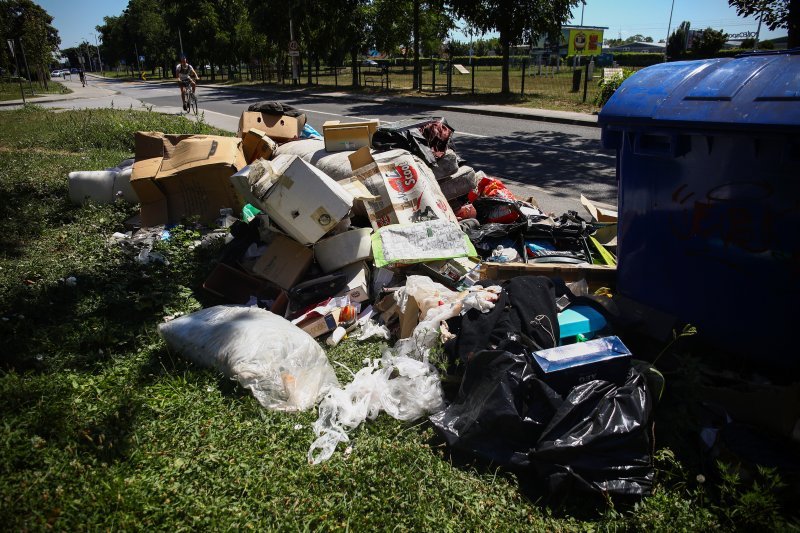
<point>584,41</point>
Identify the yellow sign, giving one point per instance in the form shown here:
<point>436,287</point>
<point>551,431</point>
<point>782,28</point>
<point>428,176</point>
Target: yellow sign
<point>144,77</point>
<point>585,42</point>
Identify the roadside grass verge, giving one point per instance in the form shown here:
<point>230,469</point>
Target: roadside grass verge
<point>11,91</point>
<point>104,428</point>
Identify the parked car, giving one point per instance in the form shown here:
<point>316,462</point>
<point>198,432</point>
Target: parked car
<point>73,70</point>
<point>369,63</point>
<point>56,73</point>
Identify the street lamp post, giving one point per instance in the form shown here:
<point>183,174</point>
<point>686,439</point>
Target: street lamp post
<point>582,8</point>
<point>669,27</point>
<point>97,47</point>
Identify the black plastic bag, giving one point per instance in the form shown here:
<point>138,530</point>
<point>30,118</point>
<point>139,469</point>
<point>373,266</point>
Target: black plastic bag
<point>596,439</point>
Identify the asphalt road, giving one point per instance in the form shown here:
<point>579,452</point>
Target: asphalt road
<point>554,163</point>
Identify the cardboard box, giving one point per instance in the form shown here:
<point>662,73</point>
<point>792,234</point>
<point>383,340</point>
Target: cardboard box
<point>178,176</point>
<point>256,144</point>
<point>284,262</point>
<point>406,190</point>
<point>564,367</point>
<point>237,287</point>
<point>357,282</point>
<point>305,202</point>
<point>348,136</point>
<point>279,128</point>
<point>317,325</point>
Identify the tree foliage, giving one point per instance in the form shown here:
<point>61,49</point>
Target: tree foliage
<point>30,26</point>
<point>515,20</point>
<point>774,13</point>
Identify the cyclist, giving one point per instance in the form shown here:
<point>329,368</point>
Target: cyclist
<point>185,73</point>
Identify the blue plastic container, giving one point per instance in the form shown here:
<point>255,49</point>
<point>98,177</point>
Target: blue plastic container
<point>708,163</point>
<point>579,320</point>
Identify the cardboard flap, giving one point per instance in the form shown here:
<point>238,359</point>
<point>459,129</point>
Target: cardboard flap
<point>360,158</point>
<point>357,189</point>
<point>148,144</point>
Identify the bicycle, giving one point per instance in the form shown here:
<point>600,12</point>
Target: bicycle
<point>189,96</point>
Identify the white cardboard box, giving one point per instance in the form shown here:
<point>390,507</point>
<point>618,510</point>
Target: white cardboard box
<point>305,202</point>
<point>357,282</point>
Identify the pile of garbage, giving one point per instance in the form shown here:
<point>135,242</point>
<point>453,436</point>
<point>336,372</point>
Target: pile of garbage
<point>381,230</point>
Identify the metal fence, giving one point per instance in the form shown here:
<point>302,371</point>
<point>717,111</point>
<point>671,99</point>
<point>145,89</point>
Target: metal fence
<point>567,84</point>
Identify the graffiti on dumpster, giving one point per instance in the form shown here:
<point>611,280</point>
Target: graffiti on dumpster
<point>744,216</point>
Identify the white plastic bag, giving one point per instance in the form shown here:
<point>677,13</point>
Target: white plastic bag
<point>404,388</point>
<point>437,303</point>
<point>282,365</point>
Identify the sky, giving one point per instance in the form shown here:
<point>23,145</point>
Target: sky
<point>76,19</point>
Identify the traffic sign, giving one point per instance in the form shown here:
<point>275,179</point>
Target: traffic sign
<point>294,46</point>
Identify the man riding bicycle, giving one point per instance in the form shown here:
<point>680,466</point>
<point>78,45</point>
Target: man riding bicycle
<point>185,74</point>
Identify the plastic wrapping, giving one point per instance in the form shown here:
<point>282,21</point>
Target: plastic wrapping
<point>404,388</point>
<point>437,303</point>
<point>594,439</point>
<point>279,363</point>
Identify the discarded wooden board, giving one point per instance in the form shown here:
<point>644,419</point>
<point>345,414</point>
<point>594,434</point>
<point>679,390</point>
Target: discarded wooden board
<point>460,68</point>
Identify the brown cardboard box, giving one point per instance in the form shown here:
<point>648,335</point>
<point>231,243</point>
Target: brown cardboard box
<point>595,275</point>
<point>348,136</point>
<point>284,262</point>
<point>237,287</point>
<point>177,176</point>
<point>256,144</point>
<point>599,211</point>
<point>279,128</point>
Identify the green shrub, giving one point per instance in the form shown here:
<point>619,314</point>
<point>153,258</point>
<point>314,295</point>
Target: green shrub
<point>609,85</point>
<point>637,59</point>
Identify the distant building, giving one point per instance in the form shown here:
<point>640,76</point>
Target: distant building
<point>641,47</point>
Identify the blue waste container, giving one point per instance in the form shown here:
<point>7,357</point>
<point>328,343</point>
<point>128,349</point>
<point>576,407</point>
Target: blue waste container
<point>708,165</point>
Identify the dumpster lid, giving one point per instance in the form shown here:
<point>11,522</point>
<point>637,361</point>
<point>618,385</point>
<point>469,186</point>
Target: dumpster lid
<point>751,91</point>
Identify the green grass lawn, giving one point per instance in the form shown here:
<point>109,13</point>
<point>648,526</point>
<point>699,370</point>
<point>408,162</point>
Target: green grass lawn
<point>11,90</point>
<point>103,428</point>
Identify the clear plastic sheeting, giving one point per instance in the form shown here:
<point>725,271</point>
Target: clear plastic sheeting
<point>437,303</point>
<point>404,388</point>
<point>282,365</point>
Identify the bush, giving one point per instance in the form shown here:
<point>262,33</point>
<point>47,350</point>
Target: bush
<point>608,86</point>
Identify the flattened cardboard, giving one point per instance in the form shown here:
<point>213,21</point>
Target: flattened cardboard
<point>178,176</point>
<point>599,211</point>
<point>305,202</point>
<point>595,275</point>
<point>284,262</point>
<point>409,319</point>
<point>256,144</point>
<point>279,128</point>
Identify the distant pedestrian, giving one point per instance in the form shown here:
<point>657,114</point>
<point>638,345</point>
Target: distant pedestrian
<point>82,75</point>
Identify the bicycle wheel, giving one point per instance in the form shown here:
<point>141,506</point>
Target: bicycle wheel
<point>193,103</point>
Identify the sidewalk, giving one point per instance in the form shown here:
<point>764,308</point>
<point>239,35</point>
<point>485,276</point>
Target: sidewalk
<point>78,93</point>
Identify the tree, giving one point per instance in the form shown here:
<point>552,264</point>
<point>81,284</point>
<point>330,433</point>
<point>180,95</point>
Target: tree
<point>774,13</point>
<point>515,20</point>
<point>676,44</point>
<point>30,26</point>
<point>709,41</point>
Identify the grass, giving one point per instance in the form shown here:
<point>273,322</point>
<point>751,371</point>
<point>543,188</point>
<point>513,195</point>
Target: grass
<point>11,90</point>
<point>103,428</point>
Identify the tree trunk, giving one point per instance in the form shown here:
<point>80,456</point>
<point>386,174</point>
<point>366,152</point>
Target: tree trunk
<point>308,70</point>
<point>506,44</point>
<point>793,24</point>
<point>354,66</point>
<point>415,84</point>
<point>213,72</point>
